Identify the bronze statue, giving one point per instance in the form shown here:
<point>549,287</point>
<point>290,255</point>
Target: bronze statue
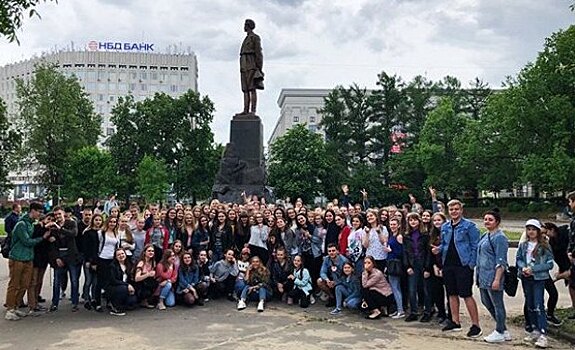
<point>251,62</point>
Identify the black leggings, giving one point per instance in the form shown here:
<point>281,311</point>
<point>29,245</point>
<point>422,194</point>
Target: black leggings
<point>299,295</point>
<point>374,299</point>
<point>437,294</point>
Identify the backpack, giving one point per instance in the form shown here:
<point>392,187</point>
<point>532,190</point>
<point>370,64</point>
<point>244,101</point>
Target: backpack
<point>5,246</point>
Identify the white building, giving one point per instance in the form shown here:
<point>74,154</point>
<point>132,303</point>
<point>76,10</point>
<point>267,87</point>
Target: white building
<point>299,106</point>
<point>107,71</point>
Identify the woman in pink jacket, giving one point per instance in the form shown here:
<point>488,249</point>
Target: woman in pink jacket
<point>376,291</point>
<point>166,275</point>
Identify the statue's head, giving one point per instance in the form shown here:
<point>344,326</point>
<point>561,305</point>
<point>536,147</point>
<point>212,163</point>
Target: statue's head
<point>250,24</point>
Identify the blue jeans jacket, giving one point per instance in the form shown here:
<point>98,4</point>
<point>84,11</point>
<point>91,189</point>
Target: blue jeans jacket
<point>466,239</point>
<point>491,254</point>
<point>540,265</point>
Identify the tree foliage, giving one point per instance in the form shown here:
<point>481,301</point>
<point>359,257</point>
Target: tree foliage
<point>176,130</point>
<point>9,143</point>
<point>90,173</point>
<point>152,179</point>
<point>58,119</point>
<point>12,14</point>
<point>298,164</point>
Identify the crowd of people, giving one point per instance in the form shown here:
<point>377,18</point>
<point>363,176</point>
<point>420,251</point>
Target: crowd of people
<point>405,263</point>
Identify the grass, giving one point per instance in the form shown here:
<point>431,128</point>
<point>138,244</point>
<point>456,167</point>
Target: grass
<point>2,233</point>
<point>567,328</point>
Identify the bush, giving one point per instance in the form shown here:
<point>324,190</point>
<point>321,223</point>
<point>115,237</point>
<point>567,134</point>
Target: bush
<point>514,207</point>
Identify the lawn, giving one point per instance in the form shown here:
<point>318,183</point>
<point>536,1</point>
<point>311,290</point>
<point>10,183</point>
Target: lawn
<point>2,233</point>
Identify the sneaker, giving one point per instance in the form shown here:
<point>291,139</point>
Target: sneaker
<point>40,308</point>
<point>411,318</point>
<point>542,342</point>
<point>53,308</point>
<point>507,336</point>
<point>323,296</point>
<point>88,305</point>
<point>20,313</point>
<point>98,308</point>
<point>398,315</point>
<point>335,312</point>
<point>425,318</point>
<point>34,313</point>
<point>495,337</point>
<point>75,308</point>
<point>116,312</point>
<point>311,299</point>
<point>241,304</point>
<point>532,337</point>
<point>474,332</point>
<point>554,321</point>
<point>451,327</point>
<point>11,316</point>
<point>261,306</point>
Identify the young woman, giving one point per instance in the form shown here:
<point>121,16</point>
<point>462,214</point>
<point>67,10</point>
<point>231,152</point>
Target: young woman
<point>534,260</point>
<point>355,251</point>
<point>376,292</point>
<point>435,266</point>
<point>221,238</point>
<point>108,243</point>
<point>145,276</point>
<point>270,222</point>
<point>242,235</point>
<point>347,290</point>
<point>416,249</point>
<point>343,234</point>
<point>291,218</point>
<point>309,240</point>
<point>233,222</point>
<point>91,250</point>
<point>280,213</point>
<point>280,269</point>
<point>395,256</point>
<point>125,236</point>
<point>120,290</point>
<point>201,239</point>
<point>257,285</point>
<point>158,236</point>
<point>178,250</point>
<point>302,289</point>
<point>243,265</point>
<point>384,218</point>
<point>559,243</point>
<point>258,239</point>
<point>196,212</point>
<point>139,235</point>
<point>188,278</point>
<point>287,236</point>
<point>166,276</point>
<point>332,231</point>
<point>170,225</point>
<point>188,229</point>
<point>491,264</point>
<point>426,216</point>
<point>375,239</point>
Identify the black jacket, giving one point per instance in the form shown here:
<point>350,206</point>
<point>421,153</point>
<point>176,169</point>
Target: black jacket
<point>65,246</point>
<point>409,251</point>
<point>115,277</point>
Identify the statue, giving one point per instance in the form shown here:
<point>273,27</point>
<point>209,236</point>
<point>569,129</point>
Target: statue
<point>251,62</point>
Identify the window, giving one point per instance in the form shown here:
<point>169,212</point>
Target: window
<point>154,75</point>
<point>312,119</point>
<point>113,76</point>
<point>91,86</point>
<point>173,88</point>
<point>102,86</point>
<point>122,76</point>
<point>110,131</point>
<point>102,75</point>
<point>91,75</point>
<point>112,98</point>
<point>132,87</point>
<point>79,65</point>
<point>100,97</point>
<point>143,87</point>
<point>143,75</point>
<point>123,87</point>
<point>296,119</point>
<point>133,75</point>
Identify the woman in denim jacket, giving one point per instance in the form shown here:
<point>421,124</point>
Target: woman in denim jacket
<point>491,263</point>
<point>534,260</point>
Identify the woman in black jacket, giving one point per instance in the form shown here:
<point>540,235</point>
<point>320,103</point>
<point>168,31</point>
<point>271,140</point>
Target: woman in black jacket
<point>120,291</point>
<point>221,238</point>
<point>91,247</point>
<point>415,251</point>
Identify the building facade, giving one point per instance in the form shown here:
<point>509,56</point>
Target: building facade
<point>106,73</point>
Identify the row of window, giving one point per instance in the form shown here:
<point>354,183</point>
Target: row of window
<point>123,76</point>
<point>311,119</point>
<point>122,66</point>
<point>134,87</point>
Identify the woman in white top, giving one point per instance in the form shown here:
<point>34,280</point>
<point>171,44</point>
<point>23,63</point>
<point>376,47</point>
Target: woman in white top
<point>125,236</point>
<point>375,240</point>
<point>108,242</point>
<point>258,238</point>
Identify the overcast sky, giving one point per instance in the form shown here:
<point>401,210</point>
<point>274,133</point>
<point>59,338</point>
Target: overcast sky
<point>310,43</point>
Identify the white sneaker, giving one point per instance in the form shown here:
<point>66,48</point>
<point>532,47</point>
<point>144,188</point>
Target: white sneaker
<point>532,337</point>
<point>398,315</point>
<point>311,299</point>
<point>323,296</point>
<point>241,304</point>
<point>11,316</point>
<point>261,306</point>
<point>507,336</point>
<point>541,342</point>
<point>495,337</point>
<point>20,313</point>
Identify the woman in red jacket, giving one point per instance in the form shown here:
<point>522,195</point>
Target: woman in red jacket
<point>344,231</point>
<point>166,275</point>
<point>158,236</point>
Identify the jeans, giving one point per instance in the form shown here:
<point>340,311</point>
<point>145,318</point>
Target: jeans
<point>167,293</point>
<point>395,282</point>
<point>60,273</point>
<point>493,302</point>
<point>416,285</point>
<point>239,287</point>
<point>533,291</point>
<point>261,294</point>
<point>342,293</point>
<point>90,283</point>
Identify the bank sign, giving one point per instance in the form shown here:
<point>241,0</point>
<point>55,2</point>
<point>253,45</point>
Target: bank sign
<point>119,46</point>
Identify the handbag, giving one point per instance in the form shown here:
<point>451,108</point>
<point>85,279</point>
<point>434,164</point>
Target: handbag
<point>511,282</point>
<point>394,267</point>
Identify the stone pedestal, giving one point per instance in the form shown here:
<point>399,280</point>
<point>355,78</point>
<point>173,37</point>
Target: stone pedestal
<point>242,166</point>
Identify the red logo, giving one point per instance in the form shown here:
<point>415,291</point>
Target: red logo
<point>92,45</point>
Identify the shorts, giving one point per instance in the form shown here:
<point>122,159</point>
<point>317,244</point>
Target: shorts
<point>458,280</point>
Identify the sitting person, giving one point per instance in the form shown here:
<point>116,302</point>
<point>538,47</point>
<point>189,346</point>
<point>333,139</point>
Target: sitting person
<point>145,277</point>
<point>120,291</point>
<point>204,271</point>
<point>281,268</point>
<point>166,275</point>
<point>243,265</point>
<point>223,276</point>
<point>302,289</point>
<point>331,271</point>
<point>347,290</point>
<point>188,278</point>
<point>257,285</point>
<point>376,291</point>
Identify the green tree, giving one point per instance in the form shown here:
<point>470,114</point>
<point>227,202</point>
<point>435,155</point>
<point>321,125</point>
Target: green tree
<point>58,119</point>
<point>90,173</point>
<point>298,164</point>
<point>174,129</point>
<point>152,179</point>
<point>12,13</point>
<point>9,142</point>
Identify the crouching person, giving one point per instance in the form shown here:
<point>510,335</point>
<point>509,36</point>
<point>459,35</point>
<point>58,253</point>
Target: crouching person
<point>302,289</point>
<point>347,290</point>
<point>120,289</point>
<point>188,278</point>
<point>257,285</point>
